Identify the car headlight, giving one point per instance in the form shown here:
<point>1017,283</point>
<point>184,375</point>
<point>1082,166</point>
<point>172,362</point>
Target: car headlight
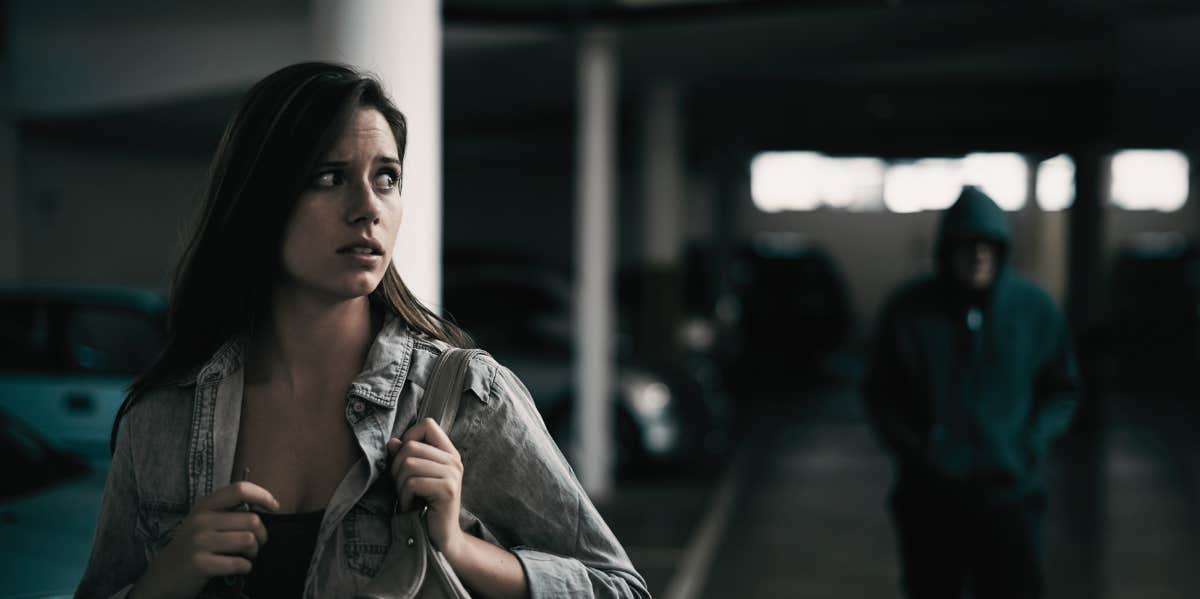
<point>649,398</point>
<point>662,437</point>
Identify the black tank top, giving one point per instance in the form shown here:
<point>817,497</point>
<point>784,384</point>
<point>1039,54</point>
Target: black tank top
<point>282,563</point>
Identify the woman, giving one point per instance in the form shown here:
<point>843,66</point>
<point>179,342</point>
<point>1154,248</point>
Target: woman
<point>266,450</point>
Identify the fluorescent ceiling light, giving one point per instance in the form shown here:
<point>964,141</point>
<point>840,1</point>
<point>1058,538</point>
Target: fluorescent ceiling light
<point>1004,177</point>
<point>1056,183</point>
<point>1150,180</point>
<point>929,184</point>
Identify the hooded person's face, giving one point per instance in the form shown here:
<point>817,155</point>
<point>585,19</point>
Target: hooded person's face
<point>974,262</point>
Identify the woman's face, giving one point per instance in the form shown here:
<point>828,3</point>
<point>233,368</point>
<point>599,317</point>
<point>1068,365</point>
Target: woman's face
<point>339,240</point>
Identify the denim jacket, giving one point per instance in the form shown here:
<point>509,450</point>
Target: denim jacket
<point>176,445</point>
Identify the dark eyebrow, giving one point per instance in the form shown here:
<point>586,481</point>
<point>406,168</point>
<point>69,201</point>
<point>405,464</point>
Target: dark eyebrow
<point>344,163</point>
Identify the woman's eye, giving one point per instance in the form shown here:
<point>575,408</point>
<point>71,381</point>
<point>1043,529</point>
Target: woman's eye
<point>327,179</point>
<point>386,180</point>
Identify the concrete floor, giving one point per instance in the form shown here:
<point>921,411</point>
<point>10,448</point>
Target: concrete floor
<point>807,515</point>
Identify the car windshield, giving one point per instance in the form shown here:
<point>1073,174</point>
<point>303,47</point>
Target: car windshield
<point>108,340</point>
<point>61,336</point>
<point>25,337</point>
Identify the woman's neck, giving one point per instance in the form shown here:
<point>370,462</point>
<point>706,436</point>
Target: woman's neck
<point>309,342</point>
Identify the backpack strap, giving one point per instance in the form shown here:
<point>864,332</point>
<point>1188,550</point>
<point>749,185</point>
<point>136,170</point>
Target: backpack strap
<point>444,391</point>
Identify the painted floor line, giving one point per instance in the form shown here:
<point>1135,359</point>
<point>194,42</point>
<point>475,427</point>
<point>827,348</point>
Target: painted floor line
<point>692,573</point>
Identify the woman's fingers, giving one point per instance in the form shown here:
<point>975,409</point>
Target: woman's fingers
<point>428,431</point>
<point>237,521</point>
<point>242,542</point>
<point>404,467</point>
<point>436,491</point>
<point>425,465</point>
<point>231,496</point>
<point>394,445</point>
<point>417,449</point>
<point>211,565</point>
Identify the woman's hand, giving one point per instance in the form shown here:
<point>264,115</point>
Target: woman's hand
<point>211,541</point>
<point>426,466</point>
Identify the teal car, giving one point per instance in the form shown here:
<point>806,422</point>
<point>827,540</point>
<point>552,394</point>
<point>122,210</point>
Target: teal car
<point>67,355</point>
<point>49,503</point>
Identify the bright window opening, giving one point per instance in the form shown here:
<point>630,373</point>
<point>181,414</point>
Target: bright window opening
<point>929,184</point>
<point>1056,183</point>
<point>782,181</point>
<point>808,180</point>
<point>1004,177</point>
<point>1149,180</point>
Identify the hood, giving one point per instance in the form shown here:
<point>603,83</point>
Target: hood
<point>973,215</point>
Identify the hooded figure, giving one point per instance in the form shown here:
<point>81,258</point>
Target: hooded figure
<point>970,378</point>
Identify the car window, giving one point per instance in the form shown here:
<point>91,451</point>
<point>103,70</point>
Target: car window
<point>106,340</point>
<point>26,343</point>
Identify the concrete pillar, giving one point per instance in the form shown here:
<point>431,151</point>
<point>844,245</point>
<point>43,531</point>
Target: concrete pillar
<point>1026,250</point>
<point>401,43</point>
<point>733,191</point>
<point>595,205</point>
<point>1045,249</point>
<point>1085,282</point>
<point>11,254</point>
<point>662,202</point>
<point>663,182</point>
<point>1086,257</point>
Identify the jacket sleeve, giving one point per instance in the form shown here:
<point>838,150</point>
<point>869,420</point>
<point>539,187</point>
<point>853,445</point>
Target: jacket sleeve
<point>1056,389</point>
<point>886,391</point>
<point>518,483</point>
<point>117,559</point>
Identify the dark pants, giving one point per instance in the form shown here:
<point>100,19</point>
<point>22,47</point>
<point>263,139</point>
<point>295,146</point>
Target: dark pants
<point>951,541</point>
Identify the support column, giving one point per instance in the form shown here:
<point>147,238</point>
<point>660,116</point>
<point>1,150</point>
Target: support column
<point>1086,254</point>
<point>401,43</point>
<point>1046,249</point>
<point>733,189</point>
<point>662,199</point>
<point>595,203</point>
<point>11,244</point>
<point>1085,282</point>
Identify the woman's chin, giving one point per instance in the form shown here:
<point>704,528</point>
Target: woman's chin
<point>361,286</point>
<point>352,287</point>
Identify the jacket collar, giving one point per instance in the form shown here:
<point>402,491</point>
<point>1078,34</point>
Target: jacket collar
<point>379,382</point>
<point>386,366</point>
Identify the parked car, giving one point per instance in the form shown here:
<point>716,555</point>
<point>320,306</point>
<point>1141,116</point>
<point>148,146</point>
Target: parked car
<point>49,503</point>
<point>522,315</point>
<point>790,314</point>
<point>67,355</point>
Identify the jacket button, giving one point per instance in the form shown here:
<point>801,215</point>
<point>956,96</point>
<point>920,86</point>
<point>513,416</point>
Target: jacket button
<point>358,406</point>
<point>411,541</point>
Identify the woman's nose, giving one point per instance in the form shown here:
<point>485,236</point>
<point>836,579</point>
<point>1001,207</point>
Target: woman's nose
<point>364,204</point>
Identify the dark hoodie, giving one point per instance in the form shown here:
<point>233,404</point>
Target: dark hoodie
<point>969,388</point>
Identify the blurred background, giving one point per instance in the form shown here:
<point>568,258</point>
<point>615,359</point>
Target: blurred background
<point>676,220</point>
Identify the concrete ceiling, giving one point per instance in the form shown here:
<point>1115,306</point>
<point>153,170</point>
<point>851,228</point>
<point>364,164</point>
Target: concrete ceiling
<point>889,77</point>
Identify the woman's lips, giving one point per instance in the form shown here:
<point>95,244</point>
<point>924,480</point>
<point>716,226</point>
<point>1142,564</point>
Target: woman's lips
<point>361,255</point>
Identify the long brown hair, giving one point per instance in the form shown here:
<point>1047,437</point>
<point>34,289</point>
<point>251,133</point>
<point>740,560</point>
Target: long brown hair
<point>223,280</point>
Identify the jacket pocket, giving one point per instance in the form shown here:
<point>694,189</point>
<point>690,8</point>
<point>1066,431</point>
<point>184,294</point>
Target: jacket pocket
<point>157,521</point>
<point>367,529</point>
